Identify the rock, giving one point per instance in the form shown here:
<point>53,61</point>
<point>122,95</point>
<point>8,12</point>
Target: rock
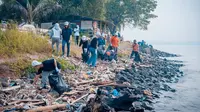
<point>173,90</point>
<point>139,110</point>
<point>147,106</point>
<point>4,84</point>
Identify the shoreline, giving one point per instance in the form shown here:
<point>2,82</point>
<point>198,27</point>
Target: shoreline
<point>146,80</point>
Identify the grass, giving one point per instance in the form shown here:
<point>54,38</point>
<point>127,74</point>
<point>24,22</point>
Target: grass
<point>22,66</point>
<point>66,65</point>
<point>14,42</point>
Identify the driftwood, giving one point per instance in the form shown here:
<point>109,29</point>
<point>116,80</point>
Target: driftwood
<point>38,103</point>
<point>45,108</point>
<point>102,83</point>
<point>86,82</point>
<point>11,88</point>
<point>71,92</point>
<point>57,106</point>
<point>19,101</point>
<point>79,99</point>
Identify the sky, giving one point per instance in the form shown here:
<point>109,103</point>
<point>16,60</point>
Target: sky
<point>178,21</point>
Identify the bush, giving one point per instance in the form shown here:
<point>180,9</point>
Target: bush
<point>14,42</point>
<point>21,65</point>
<point>66,65</point>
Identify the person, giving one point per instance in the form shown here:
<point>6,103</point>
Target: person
<point>109,55</point>
<point>135,51</point>
<point>76,30</point>
<point>108,38</point>
<point>84,44</point>
<point>66,34</point>
<point>45,68</point>
<point>90,33</point>
<point>93,50</point>
<point>114,44</point>
<point>55,35</point>
<point>101,45</point>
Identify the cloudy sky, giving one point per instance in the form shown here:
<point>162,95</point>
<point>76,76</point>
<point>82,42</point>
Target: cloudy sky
<point>178,21</point>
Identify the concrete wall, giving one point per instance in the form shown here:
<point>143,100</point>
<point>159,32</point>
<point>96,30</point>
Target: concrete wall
<point>46,25</point>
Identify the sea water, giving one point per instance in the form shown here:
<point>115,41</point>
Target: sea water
<point>187,96</point>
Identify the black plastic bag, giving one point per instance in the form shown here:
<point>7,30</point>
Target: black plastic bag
<point>58,84</point>
<point>85,57</point>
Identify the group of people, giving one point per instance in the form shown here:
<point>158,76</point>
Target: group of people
<point>97,49</point>
<point>91,50</point>
<point>57,34</point>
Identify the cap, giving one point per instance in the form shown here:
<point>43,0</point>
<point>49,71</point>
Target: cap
<point>36,63</point>
<point>66,23</point>
<point>84,38</point>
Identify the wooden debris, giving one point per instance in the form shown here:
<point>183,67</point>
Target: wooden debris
<point>86,82</point>
<point>20,101</point>
<point>45,108</point>
<point>11,88</point>
<point>57,106</point>
<point>71,92</point>
<point>102,83</point>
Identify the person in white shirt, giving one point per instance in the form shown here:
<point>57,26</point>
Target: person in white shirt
<point>76,34</point>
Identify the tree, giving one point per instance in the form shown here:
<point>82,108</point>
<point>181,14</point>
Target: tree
<point>133,12</point>
<point>88,8</point>
<point>31,9</point>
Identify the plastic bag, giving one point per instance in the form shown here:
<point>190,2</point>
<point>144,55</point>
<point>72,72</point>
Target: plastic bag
<point>58,84</point>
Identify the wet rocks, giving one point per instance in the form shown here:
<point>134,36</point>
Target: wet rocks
<point>152,77</point>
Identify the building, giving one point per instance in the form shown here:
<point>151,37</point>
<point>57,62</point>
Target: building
<point>85,23</point>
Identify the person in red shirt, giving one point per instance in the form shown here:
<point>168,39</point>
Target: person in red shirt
<point>135,51</point>
<point>114,44</point>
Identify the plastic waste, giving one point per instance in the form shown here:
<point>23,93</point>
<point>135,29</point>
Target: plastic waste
<point>58,84</point>
<point>115,93</point>
<point>89,73</point>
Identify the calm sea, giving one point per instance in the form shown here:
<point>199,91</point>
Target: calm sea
<point>187,96</point>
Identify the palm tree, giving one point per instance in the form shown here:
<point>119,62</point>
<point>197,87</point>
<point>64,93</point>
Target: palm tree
<point>32,9</point>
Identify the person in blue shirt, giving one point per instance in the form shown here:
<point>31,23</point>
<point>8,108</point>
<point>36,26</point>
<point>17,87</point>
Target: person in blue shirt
<point>101,45</point>
<point>66,34</point>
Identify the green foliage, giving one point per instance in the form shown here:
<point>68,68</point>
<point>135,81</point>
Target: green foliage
<point>30,10</point>
<point>14,42</point>
<point>66,65</point>
<point>88,8</point>
<point>135,12</point>
<point>21,65</point>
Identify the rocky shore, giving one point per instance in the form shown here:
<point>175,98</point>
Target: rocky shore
<point>112,86</point>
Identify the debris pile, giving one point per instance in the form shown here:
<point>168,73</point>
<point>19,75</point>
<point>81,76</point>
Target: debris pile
<point>110,87</point>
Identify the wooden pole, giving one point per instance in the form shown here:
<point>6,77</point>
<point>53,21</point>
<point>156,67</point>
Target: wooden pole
<point>57,106</point>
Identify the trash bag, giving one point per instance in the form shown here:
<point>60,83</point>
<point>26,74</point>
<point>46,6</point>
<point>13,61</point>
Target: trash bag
<point>122,103</point>
<point>85,57</point>
<point>58,84</point>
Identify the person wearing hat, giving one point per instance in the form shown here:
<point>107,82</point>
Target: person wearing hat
<point>66,34</point>
<point>76,30</point>
<point>84,44</point>
<point>45,68</point>
<point>56,37</point>
<point>114,44</point>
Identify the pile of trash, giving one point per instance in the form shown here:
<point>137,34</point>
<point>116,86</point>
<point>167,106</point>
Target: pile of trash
<point>110,87</point>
